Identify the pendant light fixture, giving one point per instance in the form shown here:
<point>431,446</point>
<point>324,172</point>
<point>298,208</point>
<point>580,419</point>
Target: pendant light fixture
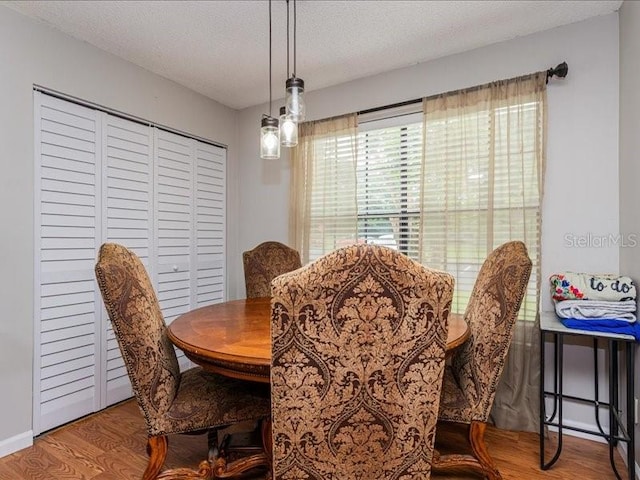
<point>269,131</point>
<point>288,129</point>
<point>288,126</point>
<point>294,86</point>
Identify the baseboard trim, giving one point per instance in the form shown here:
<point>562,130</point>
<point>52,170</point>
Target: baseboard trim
<point>15,443</point>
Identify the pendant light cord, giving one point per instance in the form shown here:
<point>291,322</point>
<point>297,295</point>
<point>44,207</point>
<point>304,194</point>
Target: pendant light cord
<point>288,69</point>
<point>294,37</point>
<point>270,107</point>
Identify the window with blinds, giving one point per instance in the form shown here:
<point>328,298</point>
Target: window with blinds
<point>388,170</point>
<point>444,191</point>
<point>332,211</point>
<point>480,191</point>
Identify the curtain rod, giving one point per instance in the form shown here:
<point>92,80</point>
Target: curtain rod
<point>559,71</point>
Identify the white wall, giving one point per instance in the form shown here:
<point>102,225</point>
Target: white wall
<point>581,188</point>
<point>630,147</point>
<point>31,53</point>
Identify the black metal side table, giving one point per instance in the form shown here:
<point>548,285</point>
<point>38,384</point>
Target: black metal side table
<point>620,430</point>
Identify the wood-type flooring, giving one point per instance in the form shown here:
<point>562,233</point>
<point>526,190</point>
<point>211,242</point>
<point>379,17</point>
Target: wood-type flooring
<point>110,445</point>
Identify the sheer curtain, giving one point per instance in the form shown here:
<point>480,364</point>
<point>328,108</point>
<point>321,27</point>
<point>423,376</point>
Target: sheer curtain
<point>323,213</point>
<point>482,178</point>
<point>480,185</point>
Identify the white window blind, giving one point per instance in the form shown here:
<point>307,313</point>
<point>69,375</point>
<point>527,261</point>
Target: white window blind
<point>388,184</point>
<point>333,221</point>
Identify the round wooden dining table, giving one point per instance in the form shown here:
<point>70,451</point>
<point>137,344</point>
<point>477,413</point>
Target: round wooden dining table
<point>234,338</point>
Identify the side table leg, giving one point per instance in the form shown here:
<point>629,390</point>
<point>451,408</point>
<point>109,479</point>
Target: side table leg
<point>613,384</point>
<point>542,409</point>
<point>596,387</point>
<point>615,375</point>
<point>557,394</point>
<point>631,445</point>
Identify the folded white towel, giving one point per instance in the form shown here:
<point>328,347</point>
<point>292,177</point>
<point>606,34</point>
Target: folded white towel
<point>597,309</point>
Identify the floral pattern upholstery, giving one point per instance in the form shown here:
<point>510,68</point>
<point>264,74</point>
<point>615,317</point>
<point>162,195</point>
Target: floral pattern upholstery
<point>358,348</point>
<point>171,402</point>
<point>264,263</point>
<point>470,382</point>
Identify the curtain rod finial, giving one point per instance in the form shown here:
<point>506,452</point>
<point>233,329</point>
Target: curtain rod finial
<point>560,70</point>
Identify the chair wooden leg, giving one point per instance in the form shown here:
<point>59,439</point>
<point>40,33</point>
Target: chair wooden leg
<point>222,468</point>
<point>157,451</point>
<point>479,448</point>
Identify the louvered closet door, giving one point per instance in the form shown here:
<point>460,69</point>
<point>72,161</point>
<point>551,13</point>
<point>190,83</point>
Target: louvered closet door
<point>174,223</point>
<point>101,178</point>
<point>127,220</point>
<point>208,281</point>
<point>67,144</point>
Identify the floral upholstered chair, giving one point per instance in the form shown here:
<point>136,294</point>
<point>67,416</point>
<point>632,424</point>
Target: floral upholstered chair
<point>264,263</point>
<point>358,351</point>
<point>470,382</point>
<point>170,401</point>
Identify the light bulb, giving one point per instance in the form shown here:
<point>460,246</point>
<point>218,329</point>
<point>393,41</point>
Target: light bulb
<point>288,129</point>
<point>270,139</point>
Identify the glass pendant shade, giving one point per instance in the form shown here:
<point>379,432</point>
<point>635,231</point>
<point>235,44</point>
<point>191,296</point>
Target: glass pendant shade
<point>288,129</point>
<point>269,139</point>
<point>294,98</point>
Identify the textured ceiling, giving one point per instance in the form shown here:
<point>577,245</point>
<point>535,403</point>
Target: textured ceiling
<point>220,48</point>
